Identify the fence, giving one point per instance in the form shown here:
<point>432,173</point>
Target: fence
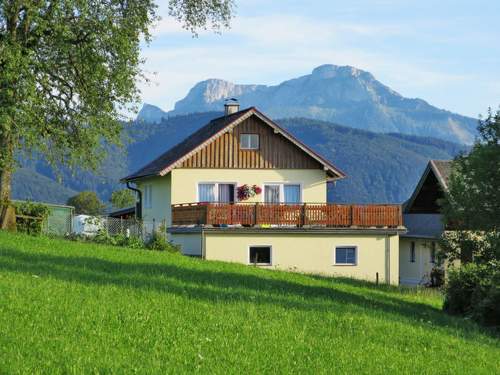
<point>125,227</point>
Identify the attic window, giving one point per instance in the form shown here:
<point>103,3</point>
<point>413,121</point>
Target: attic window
<point>249,141</point>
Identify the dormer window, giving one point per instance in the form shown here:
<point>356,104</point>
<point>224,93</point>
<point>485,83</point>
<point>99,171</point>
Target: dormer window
<point>249,141</point>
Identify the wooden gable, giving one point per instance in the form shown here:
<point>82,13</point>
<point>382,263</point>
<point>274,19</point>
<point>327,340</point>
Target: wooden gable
<point>427,197</point>
<point>275,151</point>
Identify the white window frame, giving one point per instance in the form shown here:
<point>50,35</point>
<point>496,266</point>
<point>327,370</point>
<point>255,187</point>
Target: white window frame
<point>260,264</point>
<point>244,147</point>
<point>282,191</point>
<point>216,183</point>
<point>355,247</point>
<point>148,196</point>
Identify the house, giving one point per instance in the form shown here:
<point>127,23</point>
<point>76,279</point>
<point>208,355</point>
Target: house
<point>242,189</point>
<point>423,219</point>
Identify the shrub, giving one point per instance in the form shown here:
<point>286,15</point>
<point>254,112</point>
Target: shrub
<point>159,242</point>
<point>473,290</point>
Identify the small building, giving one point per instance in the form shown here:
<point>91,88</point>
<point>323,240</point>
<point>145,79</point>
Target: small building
<point>242,189</point>
<point>123,213</point>
<point>424,221</point>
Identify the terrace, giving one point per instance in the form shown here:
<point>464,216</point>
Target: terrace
<point>287,215</point>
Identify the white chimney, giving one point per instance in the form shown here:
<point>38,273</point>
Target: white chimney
<point>231,106</point>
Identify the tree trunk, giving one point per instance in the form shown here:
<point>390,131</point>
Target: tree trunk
<point>7,212</point>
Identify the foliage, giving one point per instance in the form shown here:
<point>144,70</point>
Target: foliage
<point>87,203</point>
<point>70,68</point>
<point>158,241</point>
<point>35,217</point>
<point>70,307</point>
<point>473,200</point>
<point>471,211</point>
<point>122,198</point>
<point>473,290</point>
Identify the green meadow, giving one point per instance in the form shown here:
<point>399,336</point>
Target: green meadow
<point>72,308</point>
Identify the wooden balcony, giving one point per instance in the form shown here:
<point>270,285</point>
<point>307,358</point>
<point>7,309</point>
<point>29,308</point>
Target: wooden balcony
<point>288,215</point>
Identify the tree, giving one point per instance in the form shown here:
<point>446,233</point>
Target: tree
<point>472,205</point>
<point>87,203</point>
<point>471,211</point>
<point>69,68</point>
<point>122,198</point>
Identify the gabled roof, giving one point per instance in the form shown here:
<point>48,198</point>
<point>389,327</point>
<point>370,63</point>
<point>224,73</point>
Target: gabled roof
<point>208,133</point>
<point>441,170</point>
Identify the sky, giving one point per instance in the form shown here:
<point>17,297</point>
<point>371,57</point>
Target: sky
<point>446,52</point>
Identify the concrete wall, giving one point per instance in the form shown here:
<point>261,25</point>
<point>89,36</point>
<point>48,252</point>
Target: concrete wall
<point>190,243</point>
<point>185,181</point>
<point>418,272</point>
<point>311,253</point>
<point>161,206</point>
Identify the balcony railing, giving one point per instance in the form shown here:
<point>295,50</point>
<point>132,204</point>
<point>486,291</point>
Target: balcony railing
<point>297,215</point>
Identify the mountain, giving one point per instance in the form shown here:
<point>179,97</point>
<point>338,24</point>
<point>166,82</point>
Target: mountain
<point>27,184</point>
<point>339,94</point>
<point>380,167</point>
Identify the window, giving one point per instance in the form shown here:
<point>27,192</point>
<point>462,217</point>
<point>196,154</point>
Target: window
<point>282,193</point>
<point>249,141</point>
<point>412,252</point>
<point>260,255</point>
<point>433,252</point>
<point>216,192</point>
<point>148,196</point>
<point>345,255</point>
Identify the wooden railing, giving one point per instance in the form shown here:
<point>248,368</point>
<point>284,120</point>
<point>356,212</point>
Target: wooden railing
<point>308,214</point>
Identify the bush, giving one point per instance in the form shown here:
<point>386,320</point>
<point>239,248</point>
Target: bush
<point>473,290</point>
<point>159,242</point>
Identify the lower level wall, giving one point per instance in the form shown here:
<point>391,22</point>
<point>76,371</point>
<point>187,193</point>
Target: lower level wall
<point>312,253</point>
<point>190,243</point>
<point>417,272</point>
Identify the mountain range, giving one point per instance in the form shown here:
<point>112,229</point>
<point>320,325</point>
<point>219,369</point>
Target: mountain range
<point>340,94</point>
<point>379,138</point>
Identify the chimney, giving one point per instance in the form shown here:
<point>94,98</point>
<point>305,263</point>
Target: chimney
<point>231,106</point>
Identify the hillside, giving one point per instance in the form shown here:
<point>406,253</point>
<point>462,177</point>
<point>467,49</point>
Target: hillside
<point>339,94</point>
<point>70,307</point>
<point>27,184</point>
<point>380,167</point>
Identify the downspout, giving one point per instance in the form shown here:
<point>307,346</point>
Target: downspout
<point>138,205</point>
<point>387,259</point>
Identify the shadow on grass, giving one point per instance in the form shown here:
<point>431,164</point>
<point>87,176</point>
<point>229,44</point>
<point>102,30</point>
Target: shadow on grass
<point>203,284</point>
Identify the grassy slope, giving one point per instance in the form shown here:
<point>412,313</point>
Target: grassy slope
<point>73,307</point>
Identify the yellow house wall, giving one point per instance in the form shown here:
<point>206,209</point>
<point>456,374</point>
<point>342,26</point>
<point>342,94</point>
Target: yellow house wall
<point>185,181</point>
<point>417,272</point>
<point>161,208</point>
<point>310,253</point>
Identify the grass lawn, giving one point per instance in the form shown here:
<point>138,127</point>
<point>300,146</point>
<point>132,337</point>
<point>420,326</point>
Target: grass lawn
<point>68,307</point>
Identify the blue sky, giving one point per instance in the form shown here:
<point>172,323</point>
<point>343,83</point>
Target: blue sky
<point>445,52</point>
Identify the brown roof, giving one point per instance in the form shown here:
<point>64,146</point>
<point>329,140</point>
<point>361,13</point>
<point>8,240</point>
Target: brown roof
<point>168,160</point>
<point>442,170</point>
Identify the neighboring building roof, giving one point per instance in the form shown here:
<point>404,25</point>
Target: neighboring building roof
<point>441,169</point>
<point>214,129</point>
<point>122,212</point>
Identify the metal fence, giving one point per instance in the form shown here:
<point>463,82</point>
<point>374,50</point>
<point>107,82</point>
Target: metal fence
<point>129,227</point>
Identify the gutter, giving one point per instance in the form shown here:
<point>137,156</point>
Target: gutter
<point>138,205</point>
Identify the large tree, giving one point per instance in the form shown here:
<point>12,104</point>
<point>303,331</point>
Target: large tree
<point>472,205</point>
<point>69,68</point>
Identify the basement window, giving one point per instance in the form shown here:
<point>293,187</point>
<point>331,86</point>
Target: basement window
<point>345,255</point>
<point>249,141</point>
<point>260,255</point>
